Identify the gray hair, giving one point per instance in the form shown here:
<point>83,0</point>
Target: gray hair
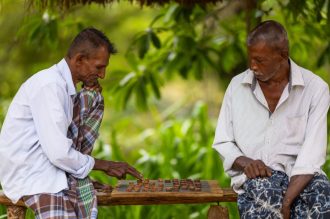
<point>270,32</point>
<point>88,40</point>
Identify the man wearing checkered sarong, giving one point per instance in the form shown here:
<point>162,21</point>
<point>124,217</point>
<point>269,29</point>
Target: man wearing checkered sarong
<point>49,132</point>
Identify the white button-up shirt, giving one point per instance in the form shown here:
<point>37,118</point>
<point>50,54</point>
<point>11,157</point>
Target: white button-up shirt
<point>292,139</point>
<point>35,153</point>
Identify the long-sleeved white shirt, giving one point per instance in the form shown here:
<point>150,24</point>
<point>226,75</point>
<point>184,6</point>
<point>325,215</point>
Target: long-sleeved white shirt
<point>35,153</point>
<point>292,139</point>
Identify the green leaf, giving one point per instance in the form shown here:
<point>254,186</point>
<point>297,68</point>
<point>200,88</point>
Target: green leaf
<point>132,60</point>
<point>156,19</point>
<point>127,95</point>
<point>35,33</point>
<point>141,94</point>
<point>143,45</point>
<point>155,40</point>
<point>127,79</point>
<point>171,13</point>
<point>154,85</point>
<point>318,6</point>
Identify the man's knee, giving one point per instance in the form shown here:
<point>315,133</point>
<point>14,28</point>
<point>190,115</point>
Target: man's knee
<point>267,187</point>
<point>318,191</point>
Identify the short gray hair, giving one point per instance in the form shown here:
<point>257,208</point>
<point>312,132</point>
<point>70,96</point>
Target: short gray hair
<point>88,40</point>
<point>270,32</point>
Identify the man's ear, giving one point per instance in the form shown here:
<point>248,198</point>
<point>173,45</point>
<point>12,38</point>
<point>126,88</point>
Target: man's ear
<point>78,58</point>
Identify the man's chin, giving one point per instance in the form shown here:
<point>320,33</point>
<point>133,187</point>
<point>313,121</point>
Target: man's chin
<point>90,83</point>
<point>260,77</point>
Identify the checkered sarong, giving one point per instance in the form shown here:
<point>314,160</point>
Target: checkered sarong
<point>79,201</point>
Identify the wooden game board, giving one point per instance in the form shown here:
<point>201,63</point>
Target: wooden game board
<point>210,192</point>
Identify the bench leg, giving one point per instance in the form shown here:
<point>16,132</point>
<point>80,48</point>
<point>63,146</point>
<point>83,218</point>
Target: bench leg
<point>217,212</point>
<point>15,212</point>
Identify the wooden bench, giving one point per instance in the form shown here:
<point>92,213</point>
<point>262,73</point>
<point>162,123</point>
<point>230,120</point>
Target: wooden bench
<point>116,197</point>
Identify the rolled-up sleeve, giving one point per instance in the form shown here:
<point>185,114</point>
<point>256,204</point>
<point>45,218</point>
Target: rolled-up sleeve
<point>51,121</point>
<point>313,151</point>
<point>224,141</point>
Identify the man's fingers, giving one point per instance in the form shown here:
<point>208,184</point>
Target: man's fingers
<point>255,169</point>
<point>116,173</point>
<point>120,169</point>
<point>131,170</point>
<point>269,171</point>
<point>249,172</point>
<point>262,171</point>
<point>135,174</point>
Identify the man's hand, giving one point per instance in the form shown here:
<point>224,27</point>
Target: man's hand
<point>101,187</point>
<point>120,169</point>
<point>93,85</point>
<point>117,169</point>
<point>252,168</point>
<point>257,168</point>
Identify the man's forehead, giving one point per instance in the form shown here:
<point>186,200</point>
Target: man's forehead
<point>259,44</point>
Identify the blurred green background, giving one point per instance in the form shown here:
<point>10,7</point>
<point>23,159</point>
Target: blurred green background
<point>164,89</point>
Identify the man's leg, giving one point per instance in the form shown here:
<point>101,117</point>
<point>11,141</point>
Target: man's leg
<point>50,206</point>
<point>263,196</point>
<point>314,201</point>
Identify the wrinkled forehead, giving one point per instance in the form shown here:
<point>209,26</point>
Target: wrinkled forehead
<point>264,47</point>
<point>261,46</point>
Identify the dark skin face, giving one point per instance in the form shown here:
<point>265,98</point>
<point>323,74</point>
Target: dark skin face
<point>88,69</point>
<point>268,64</point>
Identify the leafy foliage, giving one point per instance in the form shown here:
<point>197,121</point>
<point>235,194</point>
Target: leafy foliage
<point>195,41</point>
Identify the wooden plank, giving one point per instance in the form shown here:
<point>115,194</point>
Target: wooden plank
<point>216,194</point>
<point>229,195</point>
<point>16,212</point>
<point>6,201</point>
<point>116,197</point>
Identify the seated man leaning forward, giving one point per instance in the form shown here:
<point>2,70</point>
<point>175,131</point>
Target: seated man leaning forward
<point>272,132</point>
<point>49,131</point>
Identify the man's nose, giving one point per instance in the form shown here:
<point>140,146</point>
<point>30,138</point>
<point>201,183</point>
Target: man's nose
<point>253,65</point>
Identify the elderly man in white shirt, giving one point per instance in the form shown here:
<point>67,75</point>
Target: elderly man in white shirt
<point>49,131</point>
<point>272,132</point>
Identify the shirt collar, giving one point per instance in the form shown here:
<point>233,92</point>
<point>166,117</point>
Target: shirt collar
<point>296,75</point>
<point>296,78</point>
<point>65,72</point>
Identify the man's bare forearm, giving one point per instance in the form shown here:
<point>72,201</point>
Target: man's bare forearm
<point>100,165</point>
<point>296,186</point>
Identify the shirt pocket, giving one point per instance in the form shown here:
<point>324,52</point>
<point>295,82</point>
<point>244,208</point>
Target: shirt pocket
<point>294,130</point>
